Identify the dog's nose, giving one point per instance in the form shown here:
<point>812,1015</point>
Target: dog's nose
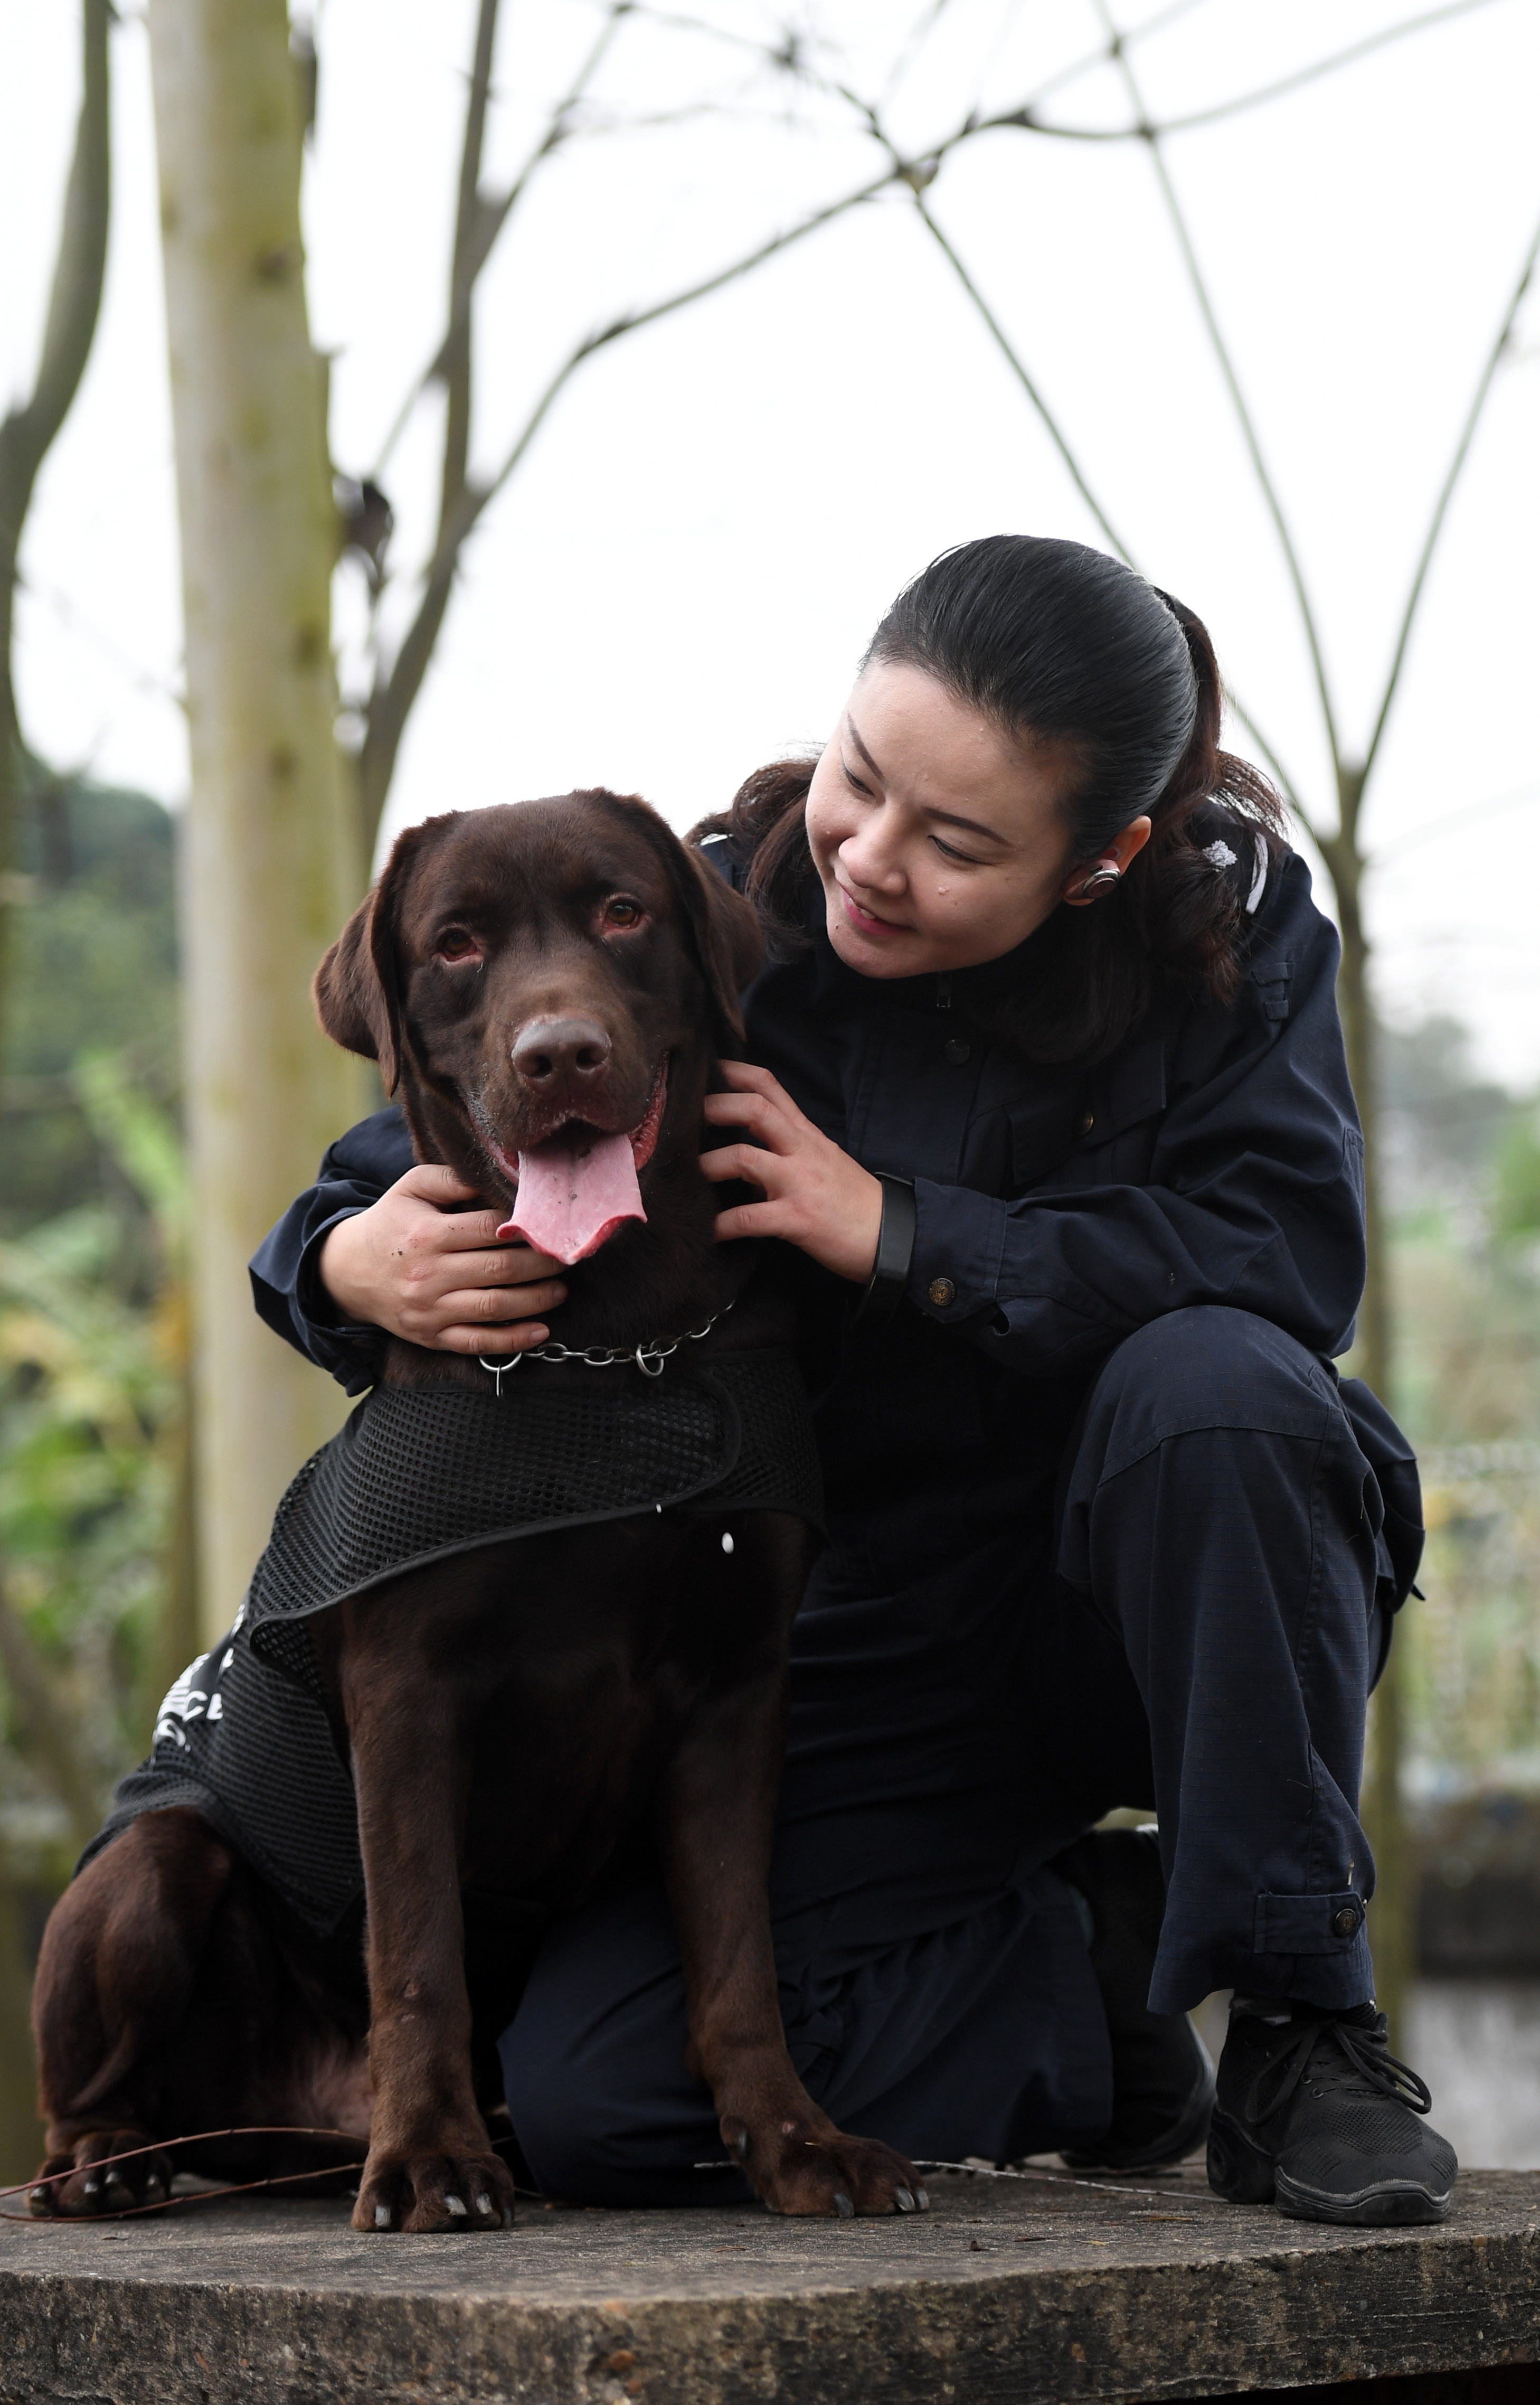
<point>548,1048</point>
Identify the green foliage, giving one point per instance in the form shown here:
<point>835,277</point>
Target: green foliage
<point>91,1386</point>
<point>94,967</point>
<point>1516,1209</point>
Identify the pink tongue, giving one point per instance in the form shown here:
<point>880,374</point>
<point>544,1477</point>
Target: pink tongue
<point>574,1191</point>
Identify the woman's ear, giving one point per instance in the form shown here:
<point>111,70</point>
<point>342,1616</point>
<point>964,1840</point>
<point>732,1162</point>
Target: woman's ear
<point>356,990</point>
<point>1085,885</point>
<point>730,938</point>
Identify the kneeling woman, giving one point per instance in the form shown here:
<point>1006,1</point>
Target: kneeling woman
<point>1049,1097</point>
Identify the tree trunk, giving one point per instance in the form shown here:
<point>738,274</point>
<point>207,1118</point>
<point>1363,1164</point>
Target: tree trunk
<point>1392,1912</point>
<point>271,865</point>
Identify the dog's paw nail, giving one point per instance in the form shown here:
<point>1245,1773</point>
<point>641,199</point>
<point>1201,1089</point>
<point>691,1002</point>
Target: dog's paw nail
<point>842,2205</point>
<point>382,2216</point>
<point>922,2200</point>
<point>508,2217</point>
<point>37,2196</point>
<point>455,2205</point>
<point>93,2187</point>
<point>484,2203</point>
<point>903,2199</point>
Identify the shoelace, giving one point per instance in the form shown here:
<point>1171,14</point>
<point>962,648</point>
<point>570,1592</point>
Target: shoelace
<point>1367,2057</point>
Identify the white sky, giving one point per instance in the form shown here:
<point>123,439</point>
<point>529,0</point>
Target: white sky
<point>679,578</point>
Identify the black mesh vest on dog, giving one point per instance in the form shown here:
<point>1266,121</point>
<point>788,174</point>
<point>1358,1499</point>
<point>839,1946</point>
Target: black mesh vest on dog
<point>420,1473</point>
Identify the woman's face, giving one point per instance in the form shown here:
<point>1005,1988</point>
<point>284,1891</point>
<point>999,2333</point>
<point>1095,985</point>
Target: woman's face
<point>940,840</point>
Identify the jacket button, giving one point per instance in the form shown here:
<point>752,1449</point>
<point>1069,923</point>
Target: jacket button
<point>957,1051</point>
<point>1085,1122</point>
<point>942,1291</point>
<point>1345,1923</point>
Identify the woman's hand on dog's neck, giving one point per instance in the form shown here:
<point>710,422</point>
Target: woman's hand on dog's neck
<point>434,1274</point>
<point>817,1197</point>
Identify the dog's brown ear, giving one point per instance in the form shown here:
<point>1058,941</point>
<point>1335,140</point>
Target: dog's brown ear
<point>358,985</point>
<point>352,1001</point>
<point>730,938</point>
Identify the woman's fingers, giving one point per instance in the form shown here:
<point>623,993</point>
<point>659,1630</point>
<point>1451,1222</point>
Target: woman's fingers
<point>427,1272</point>
<point>732,1161</point>
<point>493,1341</point>
<point>746,1219</point>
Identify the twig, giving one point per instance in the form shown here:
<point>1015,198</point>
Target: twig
<point>1446,494</point>
<point>1303,75</point>
<point>1024,377</point>
<point>1227,370</point>
<point>489,218</point>
<point>393,700</point>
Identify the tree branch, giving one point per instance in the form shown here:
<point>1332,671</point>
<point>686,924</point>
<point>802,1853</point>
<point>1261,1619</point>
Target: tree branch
<point>1436,524</point>
<point>75,301</point>
<point>393,698</point>
<point>1025,118</point>
<point>1232,380</point>
<point>1019,368</point>
<point>1023,375</point>
<point>488,219</point>
<point>76,294</point>
<point>1303,75</point>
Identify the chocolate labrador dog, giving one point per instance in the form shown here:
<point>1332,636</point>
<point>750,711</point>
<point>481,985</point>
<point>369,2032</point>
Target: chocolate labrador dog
<point>517,1686</point>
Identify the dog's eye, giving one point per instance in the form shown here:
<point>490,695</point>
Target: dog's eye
<point>621,913</point>
<point>454,944</point>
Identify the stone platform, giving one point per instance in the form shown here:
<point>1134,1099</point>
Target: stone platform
<point>1028,2290</point>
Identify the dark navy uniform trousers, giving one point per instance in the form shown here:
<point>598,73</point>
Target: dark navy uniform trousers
<point>1197,1631</point>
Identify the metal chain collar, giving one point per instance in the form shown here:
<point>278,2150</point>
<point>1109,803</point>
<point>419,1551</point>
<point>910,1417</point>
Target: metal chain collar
<point>648,1357</point>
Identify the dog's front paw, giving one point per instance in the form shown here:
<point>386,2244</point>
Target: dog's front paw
<point>797,2167</point>
<point>84,2181</point>
<point>402,2191</point>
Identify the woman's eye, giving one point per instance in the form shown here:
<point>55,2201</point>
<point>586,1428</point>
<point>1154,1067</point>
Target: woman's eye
<point>457,944</point>
<point>950,852</point>
<point>622,913</point>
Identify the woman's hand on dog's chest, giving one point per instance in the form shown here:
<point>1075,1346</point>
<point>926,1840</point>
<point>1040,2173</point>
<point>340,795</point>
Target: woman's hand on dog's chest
<point>816,1196</point>
<point>434,1274</point>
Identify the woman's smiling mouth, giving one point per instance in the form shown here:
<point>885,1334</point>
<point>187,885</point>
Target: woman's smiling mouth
<point>866,921</point>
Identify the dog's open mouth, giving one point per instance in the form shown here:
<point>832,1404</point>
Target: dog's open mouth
<point>580,1184</point>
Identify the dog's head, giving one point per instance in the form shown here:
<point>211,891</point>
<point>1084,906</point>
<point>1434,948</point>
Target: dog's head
<point>540,968</point>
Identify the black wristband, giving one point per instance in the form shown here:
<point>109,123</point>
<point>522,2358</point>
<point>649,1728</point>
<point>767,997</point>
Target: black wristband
<point>895,1250</point>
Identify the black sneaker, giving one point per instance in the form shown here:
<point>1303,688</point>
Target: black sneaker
<point>1163,2081</point>
<point>1316,2113</point>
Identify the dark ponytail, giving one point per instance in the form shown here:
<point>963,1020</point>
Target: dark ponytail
<point>1059,643</point>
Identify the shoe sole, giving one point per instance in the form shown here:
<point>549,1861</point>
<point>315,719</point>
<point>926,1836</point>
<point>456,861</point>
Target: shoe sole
<point>1243,2173</point>
<point>1387,2204</point>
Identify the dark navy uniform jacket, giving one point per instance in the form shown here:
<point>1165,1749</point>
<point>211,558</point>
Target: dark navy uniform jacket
<point>1215,1158</point>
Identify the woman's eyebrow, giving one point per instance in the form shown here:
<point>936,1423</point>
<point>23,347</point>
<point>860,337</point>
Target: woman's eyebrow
<point>947,818</point>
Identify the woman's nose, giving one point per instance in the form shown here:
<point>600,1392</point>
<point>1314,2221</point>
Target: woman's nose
<point>871,855</point>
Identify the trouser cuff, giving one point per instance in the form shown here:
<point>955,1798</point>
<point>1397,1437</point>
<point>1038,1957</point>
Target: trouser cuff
<point>1334,1980</point>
